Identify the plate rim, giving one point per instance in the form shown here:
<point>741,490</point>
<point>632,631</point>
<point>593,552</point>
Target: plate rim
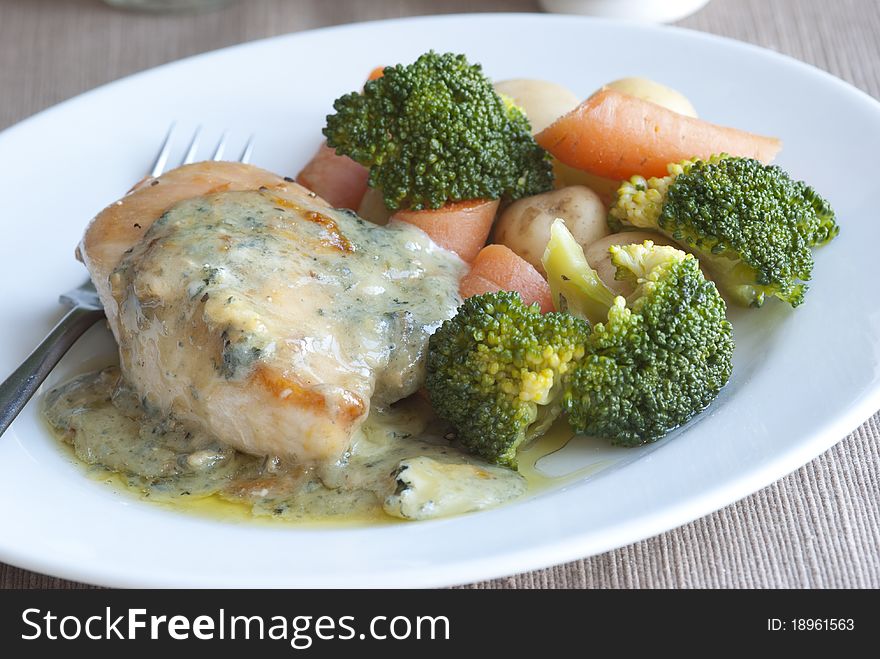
<point>574,546</point>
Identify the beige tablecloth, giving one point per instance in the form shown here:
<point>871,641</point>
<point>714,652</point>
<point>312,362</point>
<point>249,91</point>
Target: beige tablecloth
<point>817,527</point>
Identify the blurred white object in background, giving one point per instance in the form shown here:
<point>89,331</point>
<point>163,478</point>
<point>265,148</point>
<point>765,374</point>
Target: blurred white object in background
<point>652,11</point>
<point>168,5</point>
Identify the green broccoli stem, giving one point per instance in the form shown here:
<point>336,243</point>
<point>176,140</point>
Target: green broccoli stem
<point>576,287</point>
<point>738,278</point>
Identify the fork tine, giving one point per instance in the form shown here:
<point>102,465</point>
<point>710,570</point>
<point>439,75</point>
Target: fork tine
<point>248,151</point>
<point>192,151</point>
<point>221,147</point>
<point>162,156</point>
<point>190,156</point>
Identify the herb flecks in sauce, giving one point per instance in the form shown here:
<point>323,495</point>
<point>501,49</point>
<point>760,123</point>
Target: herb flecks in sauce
<point>267,322</point>
<point>275,322</point>
<point>397,466</point>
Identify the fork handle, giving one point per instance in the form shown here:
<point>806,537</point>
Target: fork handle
<point>18,388</point>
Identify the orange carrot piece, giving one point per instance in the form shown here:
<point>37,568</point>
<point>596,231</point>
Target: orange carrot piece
<point>376,73</point>
<point>616,135</point>
<point>338,179</point>
<point>461,227</point>
<point>498,268</point>
<point>473,284</point>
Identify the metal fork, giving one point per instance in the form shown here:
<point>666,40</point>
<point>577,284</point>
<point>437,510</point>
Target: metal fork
<point>85,307</point>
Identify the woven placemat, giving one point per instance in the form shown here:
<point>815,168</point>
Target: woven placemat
<point>817,527</point>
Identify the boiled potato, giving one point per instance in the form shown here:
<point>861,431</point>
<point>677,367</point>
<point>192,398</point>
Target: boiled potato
<point>373,207</point>
<point>599,257</point>
<point>564,176</point>
<point>648,90</point>
<point>524,226</point>
<point>543,101</point>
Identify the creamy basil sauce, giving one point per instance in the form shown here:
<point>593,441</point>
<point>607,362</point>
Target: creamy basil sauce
<point>401,464</point>
<point>275,323</point>
<point>261,323</point>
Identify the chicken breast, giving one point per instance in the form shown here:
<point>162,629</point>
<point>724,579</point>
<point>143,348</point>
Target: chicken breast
<point>242,303</point>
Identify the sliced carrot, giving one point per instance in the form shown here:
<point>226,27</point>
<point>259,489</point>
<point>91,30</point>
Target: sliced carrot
<point>473,284</point>
<point>616,136</point>
<point>498,268</point>
<point>461,227</point>
<point>376,73</point>
<point>338,179</point>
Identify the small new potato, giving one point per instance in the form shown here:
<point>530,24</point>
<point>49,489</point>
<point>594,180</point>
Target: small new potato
<point>524,226</point>
<point>543,101</point>
<point>599,257</point>
<point>565,176</point>
<point>654,92</point>
<point>373,207</point>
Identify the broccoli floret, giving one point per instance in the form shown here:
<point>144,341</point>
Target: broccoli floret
<point>435,131</point>
<point>653,360</point>
<point>495,370</point>
<point>751,224</point>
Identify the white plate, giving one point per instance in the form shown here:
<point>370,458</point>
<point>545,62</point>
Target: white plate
<point>802,379</point>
